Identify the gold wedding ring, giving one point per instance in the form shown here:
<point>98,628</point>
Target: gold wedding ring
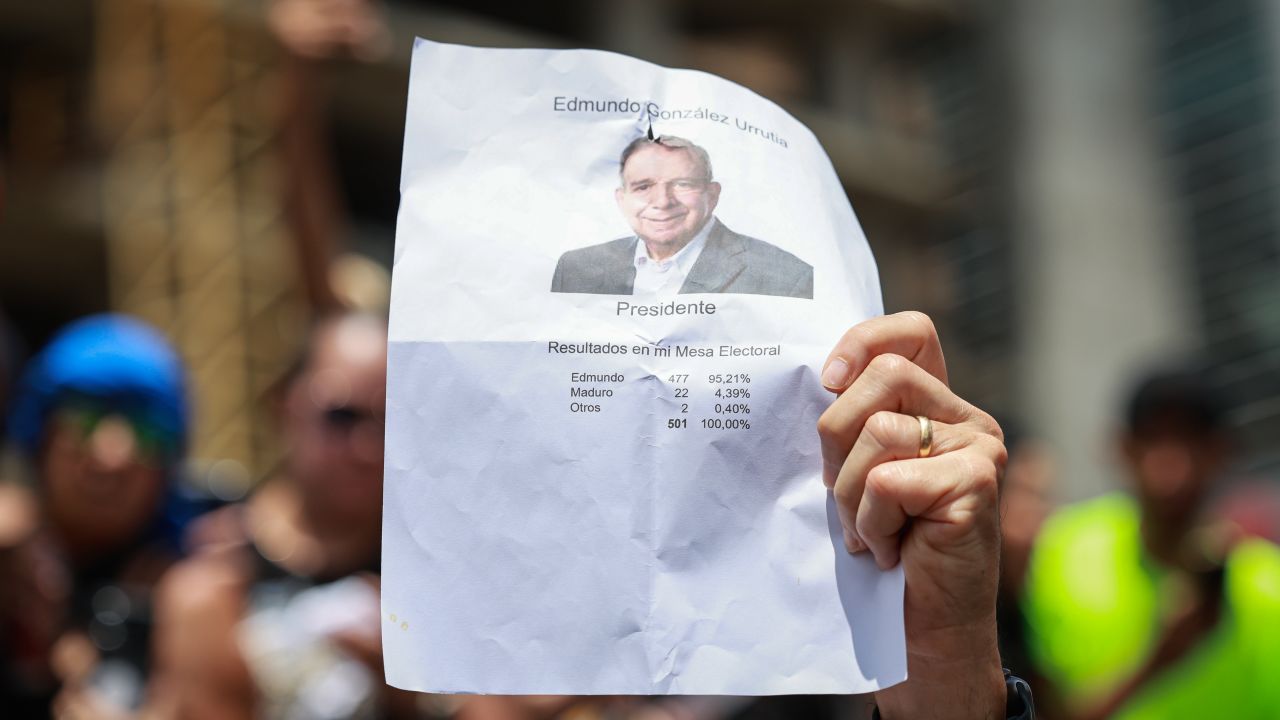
<point>926,436</point>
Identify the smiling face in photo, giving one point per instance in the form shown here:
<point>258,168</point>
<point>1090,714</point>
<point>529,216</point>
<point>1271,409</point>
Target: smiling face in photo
<point>666,197</point>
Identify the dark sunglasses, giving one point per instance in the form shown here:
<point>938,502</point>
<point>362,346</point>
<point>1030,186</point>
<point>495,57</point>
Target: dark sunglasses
<point>153,438</point>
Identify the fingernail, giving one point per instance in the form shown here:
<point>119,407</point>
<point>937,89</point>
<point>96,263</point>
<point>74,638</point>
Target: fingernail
<point>836,374</point>
<point>853,543</point>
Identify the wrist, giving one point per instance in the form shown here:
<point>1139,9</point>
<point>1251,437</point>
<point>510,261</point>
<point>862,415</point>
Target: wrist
<point>968,688</point>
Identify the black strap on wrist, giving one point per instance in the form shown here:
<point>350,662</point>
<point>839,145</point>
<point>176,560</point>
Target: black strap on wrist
<point>1018,704</point>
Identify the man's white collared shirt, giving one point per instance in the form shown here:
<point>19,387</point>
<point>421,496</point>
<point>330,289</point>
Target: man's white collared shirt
<point>666,277</point>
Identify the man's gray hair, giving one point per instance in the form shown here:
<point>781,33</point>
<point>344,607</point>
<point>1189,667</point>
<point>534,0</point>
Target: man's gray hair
<point>700,156</point>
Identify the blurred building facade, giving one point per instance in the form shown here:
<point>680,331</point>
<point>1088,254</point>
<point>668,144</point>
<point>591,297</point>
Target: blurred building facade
<point>1144,187</point>
<point>1073,189</point>
<point>143,163</point>
<point>1217,77</point>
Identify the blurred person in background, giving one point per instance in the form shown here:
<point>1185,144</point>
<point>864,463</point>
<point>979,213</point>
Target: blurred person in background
<point>1137,606</point>
<point>101,416</point>
<point>277,615</point>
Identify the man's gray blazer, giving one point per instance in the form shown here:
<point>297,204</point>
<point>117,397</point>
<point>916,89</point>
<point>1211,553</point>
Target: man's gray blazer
<point>729,263</point>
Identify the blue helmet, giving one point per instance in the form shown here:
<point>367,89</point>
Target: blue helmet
<point>112,359</point>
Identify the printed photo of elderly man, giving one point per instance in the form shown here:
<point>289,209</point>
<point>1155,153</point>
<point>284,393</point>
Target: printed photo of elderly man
<point>668,195</point>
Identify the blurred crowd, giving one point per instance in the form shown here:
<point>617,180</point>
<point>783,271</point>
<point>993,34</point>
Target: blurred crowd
<point>126,596</point>
<point>124,593</point>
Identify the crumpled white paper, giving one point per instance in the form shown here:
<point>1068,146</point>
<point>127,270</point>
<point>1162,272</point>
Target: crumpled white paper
<point>533,546</point>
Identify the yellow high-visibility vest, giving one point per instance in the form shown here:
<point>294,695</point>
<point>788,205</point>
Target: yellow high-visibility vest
<point>1094,605</point>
